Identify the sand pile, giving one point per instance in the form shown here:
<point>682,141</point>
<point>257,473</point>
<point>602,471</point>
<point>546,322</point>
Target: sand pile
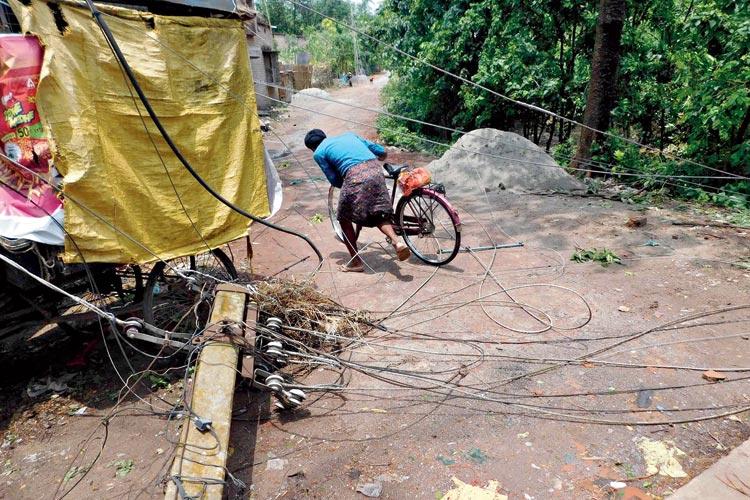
<point>311,96</point>
<point>490,160</point>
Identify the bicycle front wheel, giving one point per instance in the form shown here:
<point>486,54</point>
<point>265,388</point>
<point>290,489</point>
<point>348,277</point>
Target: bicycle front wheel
<point>430,227</point>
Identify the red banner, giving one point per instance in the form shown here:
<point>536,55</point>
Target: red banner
<point>27,204</point>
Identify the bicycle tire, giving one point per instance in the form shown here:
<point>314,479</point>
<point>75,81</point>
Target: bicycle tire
<point>429,226</point>
<point>172,303</point>
<point>332,209</point>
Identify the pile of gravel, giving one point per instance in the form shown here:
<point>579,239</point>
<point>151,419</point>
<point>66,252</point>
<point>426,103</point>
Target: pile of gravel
<point>490,160</point>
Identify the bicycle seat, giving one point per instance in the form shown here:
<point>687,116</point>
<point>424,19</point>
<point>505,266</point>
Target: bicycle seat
<point>393,170</point>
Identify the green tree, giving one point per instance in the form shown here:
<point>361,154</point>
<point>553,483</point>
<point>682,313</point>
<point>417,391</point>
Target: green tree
<point>530,50</point>
<point>329,43</point>
<point>684,68</point>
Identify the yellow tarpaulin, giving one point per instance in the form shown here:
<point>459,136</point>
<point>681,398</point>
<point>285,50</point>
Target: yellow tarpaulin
<point>128,197</point>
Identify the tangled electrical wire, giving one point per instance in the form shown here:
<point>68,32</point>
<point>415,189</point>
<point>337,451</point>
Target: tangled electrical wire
<point>321,332</point>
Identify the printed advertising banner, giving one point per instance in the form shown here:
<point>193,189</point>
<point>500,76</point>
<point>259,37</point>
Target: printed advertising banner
<point>30,207</point>
<point>127,196</point>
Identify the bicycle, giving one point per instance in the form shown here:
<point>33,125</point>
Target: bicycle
<point>429,224</point>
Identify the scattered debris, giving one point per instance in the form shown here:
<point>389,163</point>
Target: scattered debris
<point>464,491</point>
<point>660,457</point>
<point>623,309</point>
<point>714,376</point>
<point>445,461</point>
<point>605,256</point>
<point>372,490</point>
<point>390,478</point>
<point>633,493</point>
<point>276,464</point>
<point>617,485</point>
<point>476,455</point>
<point>636,222</point>
<point>650,243</point>
<point>644,398</point>
<point>80,359</point>
<point>80,411</point>
<point>374,410</point>
<point>57,385</point>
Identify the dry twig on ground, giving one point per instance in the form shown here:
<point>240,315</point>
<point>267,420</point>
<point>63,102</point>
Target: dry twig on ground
<point>300,306</point>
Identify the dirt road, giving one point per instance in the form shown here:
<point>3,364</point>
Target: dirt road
<point>477,386</point>
<point>516,365</point>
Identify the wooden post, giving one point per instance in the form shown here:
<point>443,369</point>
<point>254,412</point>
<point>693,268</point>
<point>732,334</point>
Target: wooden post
<point>199,467</point>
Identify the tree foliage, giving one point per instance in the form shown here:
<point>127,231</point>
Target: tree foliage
<point>682,85</point>
<point>293,18</point>
<point>325,28</point>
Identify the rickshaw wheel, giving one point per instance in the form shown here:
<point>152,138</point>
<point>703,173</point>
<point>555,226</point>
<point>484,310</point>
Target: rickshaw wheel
<point>130,284</point>
<point>183,304</point>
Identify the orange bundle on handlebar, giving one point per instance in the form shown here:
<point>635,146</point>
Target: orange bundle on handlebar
<point>413,179</point>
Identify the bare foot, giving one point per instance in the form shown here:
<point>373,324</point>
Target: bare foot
<point>351,269</point>
<point>402,251</point>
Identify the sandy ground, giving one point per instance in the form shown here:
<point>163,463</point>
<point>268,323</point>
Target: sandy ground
<point>514,365</point>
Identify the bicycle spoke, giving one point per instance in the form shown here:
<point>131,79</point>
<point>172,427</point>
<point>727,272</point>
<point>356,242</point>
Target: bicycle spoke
<point>429,229</point>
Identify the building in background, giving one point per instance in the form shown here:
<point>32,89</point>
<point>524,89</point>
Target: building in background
<point>264,61</point>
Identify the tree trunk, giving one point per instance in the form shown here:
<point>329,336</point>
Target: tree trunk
<point>602,86</point>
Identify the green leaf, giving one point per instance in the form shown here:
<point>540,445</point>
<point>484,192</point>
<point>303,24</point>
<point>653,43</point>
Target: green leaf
<point>124,467</point>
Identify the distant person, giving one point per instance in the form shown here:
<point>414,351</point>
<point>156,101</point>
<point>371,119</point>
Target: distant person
<point>350,162</point>
<point>349,78</point>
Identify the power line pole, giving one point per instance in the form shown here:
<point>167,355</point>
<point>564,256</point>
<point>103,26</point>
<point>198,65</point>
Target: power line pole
<point>357,66</point>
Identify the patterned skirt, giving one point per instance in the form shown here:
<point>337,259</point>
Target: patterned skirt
<point>364,197</point>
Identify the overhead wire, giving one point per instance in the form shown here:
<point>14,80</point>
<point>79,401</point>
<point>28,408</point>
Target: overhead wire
<point>433,142</point>
<point>398,372</point>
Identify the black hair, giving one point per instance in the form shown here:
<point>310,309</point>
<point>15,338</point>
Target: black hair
<point>314,138</point>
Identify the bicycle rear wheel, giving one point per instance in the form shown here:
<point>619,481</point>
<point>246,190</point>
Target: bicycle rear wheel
<point>176,304</point>
<point>430,227</point>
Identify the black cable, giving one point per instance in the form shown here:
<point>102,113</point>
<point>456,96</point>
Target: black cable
<point>126,67</point>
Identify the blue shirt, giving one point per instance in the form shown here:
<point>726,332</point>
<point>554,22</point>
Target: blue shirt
<point>336,155</point>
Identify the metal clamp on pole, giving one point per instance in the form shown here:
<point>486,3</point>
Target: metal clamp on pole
<point>134,329</point>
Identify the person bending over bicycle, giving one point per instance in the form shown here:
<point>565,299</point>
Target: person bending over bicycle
<point>349,162</point>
